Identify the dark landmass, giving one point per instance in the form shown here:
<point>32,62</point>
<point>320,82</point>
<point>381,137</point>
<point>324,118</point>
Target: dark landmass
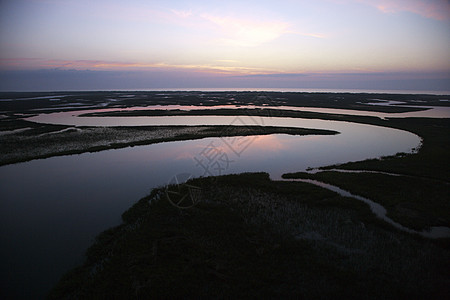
<point>250,237</point>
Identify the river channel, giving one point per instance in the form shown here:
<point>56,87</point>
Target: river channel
<point>52,209</point>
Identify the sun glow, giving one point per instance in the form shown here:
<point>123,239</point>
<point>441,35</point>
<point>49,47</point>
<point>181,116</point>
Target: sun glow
<point>324,37</point>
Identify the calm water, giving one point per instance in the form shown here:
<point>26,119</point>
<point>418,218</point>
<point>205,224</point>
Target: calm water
<point>74,118</point>
<point>52,209</point>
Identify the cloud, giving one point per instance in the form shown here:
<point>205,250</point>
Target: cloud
<point>278,75</point>
<point>433,9</point>
<point>182,13</point>
<point>100,65</point>
<point>246,32</point>
<point>243,30</point>
<point>314,35</point>
<point>228,61</point>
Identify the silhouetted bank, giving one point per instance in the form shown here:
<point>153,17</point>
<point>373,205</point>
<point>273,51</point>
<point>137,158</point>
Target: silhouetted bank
<point>250,237</point>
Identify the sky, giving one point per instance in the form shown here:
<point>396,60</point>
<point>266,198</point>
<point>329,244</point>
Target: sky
<point>137,44</point>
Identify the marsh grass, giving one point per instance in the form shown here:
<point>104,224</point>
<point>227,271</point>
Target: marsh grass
<point>43,141</point>
<point>416,203</point>
<point>250,237</point>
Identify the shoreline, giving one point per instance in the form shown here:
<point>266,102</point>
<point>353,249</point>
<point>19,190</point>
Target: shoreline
<point>77,140</point>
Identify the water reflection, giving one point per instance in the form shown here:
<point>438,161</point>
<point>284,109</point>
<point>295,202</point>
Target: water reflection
<point>52,209</point>
<point>74,118</point>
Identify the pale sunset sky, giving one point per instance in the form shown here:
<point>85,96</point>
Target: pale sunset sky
<point>137,44</point>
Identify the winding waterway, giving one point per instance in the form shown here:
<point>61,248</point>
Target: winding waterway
<point>76,118</point>
<point>52,209</point>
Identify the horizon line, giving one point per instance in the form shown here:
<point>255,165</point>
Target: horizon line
<point>253,89</point>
